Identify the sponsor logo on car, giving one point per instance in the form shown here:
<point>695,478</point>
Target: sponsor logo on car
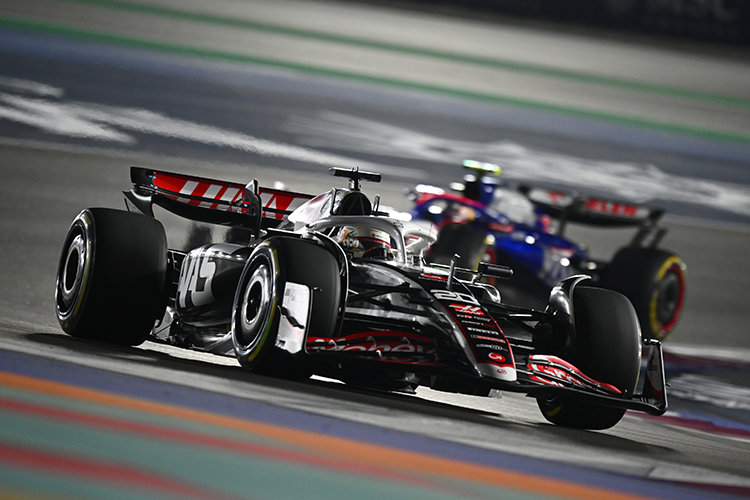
<point>492,339</point>
<point>454,296</point>
<point>497,357</point>
<point>434,277</point>
<point>475,320</point>
<point>489,346</point>
<point>467,309</point>
<point>480,330</point>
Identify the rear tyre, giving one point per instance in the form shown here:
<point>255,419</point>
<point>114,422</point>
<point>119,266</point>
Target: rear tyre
<point>111,276</point>
<point>607,347</point>
<point>259,297</point>
<point>654,281</point>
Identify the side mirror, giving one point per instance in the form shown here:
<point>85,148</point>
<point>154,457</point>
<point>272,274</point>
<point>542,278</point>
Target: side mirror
<point>494,270</point>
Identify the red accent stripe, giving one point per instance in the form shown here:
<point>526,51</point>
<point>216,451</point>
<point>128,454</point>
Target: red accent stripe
<point>453,197</point>
<point>375,335</point>
<point>175,183</point>
<point>434,277</point>
<point>221,192</point>
<point>199,191</point>
<point>219,195</point>
<point>172,183</point>
<point>551,362</point>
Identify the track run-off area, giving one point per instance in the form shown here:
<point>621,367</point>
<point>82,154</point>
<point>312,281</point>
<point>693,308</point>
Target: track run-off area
<point>280,91</point>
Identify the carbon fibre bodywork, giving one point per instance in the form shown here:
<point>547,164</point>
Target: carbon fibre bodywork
<point>295,296</point>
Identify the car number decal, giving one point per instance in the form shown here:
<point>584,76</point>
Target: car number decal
<point>194,288</point>
<point>454,296</point>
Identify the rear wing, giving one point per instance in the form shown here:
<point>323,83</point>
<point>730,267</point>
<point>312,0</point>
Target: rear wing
<point>209,200</point>
<point>591,210</point>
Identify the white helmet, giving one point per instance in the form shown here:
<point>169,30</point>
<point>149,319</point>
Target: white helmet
<point>366,242</point>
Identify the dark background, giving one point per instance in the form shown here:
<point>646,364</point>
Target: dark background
<point>721,21</point>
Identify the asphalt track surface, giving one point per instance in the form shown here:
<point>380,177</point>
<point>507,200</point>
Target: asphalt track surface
<point>89,88</point>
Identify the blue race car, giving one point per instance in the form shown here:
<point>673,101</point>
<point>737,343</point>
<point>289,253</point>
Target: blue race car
<point>485,220</point>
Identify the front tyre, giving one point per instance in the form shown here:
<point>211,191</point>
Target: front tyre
<point>111,276</point>
<point>259,298</point>
<point>607,347</point>
<point>256,310</point>
<point>654,281</point>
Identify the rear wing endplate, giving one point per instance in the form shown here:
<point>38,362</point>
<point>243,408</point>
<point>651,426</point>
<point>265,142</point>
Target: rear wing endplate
<point>209,200</point>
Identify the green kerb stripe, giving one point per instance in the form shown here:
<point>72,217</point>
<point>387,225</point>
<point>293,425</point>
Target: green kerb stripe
<point>424,52</point>
<point>315,70</point>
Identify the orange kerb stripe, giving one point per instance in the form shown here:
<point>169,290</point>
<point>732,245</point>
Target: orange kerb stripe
<point>345,448</point>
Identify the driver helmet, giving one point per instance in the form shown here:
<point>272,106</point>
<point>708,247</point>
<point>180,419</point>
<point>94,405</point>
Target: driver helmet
<point>365,242</point>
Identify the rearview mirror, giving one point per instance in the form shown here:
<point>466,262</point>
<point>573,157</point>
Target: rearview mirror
<point>494,270</point>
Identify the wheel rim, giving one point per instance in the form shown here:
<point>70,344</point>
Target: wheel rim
<point>74,269</point>
<point>255,308</point>
<point>72,276</point>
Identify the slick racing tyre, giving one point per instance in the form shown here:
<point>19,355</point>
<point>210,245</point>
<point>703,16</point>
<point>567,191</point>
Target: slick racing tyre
<point>654,281</point>
<point>111,276</point>
<point>259,298</point>
<point>606,347</point>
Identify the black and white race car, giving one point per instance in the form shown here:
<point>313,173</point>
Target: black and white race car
<point>331,285</point>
